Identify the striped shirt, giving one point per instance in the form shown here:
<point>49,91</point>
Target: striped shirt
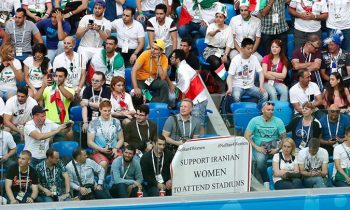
<point>269,28</point>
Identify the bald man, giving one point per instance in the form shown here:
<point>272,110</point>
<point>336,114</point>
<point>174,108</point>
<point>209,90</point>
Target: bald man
<point>74,62</point>
<point>333,128</point>
<point>263,133</point>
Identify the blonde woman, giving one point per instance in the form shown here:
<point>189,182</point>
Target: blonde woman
<point>285,168</point>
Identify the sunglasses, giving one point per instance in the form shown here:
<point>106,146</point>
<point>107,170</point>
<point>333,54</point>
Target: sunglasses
<point>334,111</point>
<point>71,67</point>
<point>108,65</point>
<point>316,48</point>
<point>269,103</point>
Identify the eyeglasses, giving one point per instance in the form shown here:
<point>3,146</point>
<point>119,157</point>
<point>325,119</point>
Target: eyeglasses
<point>71,67</point>
<point>316,48</point>
<point>334,111</point>
<point>95,81</point>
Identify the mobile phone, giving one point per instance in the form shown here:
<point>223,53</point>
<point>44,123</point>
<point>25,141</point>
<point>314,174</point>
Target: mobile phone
<point>68,124</point>
<point>91,21</point>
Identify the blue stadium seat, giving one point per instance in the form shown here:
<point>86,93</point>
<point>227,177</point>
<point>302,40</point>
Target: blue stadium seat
<point>270,173</point>
<point>242,116</point>
<point>159,116</point>
<point>145,47</point>
<point>130,3</point>
<point>290,46</point>
<point>178,10</point>
<point>91,6</point>
<point>75,114</point>
<point>330,173</point>
<point>65,148</point>
<point>20,148</point>
<point>77,42</point>
<point>200,45</point>
<point>128,82</point>
<point>283,111</point>
<point>115,34</point>
<point>238,105</point>
<point>230,13</point>
<point>324,35</point>
<point>157,105</point>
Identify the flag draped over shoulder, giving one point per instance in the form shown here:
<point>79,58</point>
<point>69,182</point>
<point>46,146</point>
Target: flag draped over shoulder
<point>190,83</point>
<point>56,97</point>
<point>257,5</point>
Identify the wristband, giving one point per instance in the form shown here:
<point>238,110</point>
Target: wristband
<point>71,13</point>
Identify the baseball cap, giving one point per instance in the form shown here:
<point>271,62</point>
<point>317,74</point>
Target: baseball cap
<point>38,109</point>
<point>101,2</point>
<point>160,43</point>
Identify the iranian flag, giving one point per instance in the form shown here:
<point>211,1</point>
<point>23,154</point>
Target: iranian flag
<point>185,17</point>
<point>257,5</point>
<point>221,72</point>
<point>56,97</point>
<point>190,83</point>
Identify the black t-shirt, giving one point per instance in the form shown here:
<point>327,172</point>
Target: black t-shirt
<point>87,94</point>
<point>13,175</point>
<point>131,135</point>
<point>192,60</point>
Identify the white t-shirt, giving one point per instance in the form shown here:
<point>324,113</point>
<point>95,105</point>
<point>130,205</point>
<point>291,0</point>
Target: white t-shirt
<point>74,67</point>
<point>340,154</point>
<point>8,77</point>
<point>243,71</point>
<point>34,72</point>
<point>245,29</point>
<point>127,100</point>
<point>338,14</point>
<point>38,148</point>
<point>283,166</point>
<point>6,143</point>
<point>164,31</point>
<point>20,112</point>
<point>222,39</point>
<point>318,7</point>
<point>36,5</point>
<point>128,35</point>
<point>150,5</point>
<point>2,106</point>
<point>297,94</point>
<point>312,162</point>
<point>9,5</point>
<point>91,38</point>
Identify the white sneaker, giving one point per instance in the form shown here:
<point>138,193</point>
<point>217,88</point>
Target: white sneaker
<point>267,185</point>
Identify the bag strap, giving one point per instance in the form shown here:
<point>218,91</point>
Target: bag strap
<point>346,151</point>
<point>76,172</point>
<point>281,158</point>
<point>177,126</point>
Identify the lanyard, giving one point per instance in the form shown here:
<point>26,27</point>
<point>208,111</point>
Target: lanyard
<point>335,59</point>
<point>302,131</point>
<point>14,32</point>
<point>127,169</point>
<point>154,167</point>
<point>184,128</point>
<point>150,69</point>
<point>54,173</point>
<point>307,57</point>
<point>99,96</point>
<point>138,130</point>
<point>20,179</point>
<point>329,129</point>
<point>109,134</point>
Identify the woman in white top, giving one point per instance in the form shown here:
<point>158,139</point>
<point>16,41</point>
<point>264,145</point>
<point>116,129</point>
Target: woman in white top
<point>341,157</point>
<point>219,40</point>
<point>285,167</point>
<point>36,67</point>
<point>10,71</point>
<point>122,107</point>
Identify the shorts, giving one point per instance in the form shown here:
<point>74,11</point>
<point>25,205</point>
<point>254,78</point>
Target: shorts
<point>98,157</point>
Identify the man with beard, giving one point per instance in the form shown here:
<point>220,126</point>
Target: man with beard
<point>263,133</point>
<point>162,27</point>
<point>126,175</point>
<point>131,36</point>
<point>108,61</point>
<point>17,111</point>
<point>93,30</point>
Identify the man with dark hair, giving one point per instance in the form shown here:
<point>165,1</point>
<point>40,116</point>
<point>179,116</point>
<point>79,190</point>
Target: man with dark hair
<point>21,32</point>
<point>140,132</point>
<point>304,91</point>
<point>313,164</point>
<point>131,36</point>
<point>308,57</point>
<point>181,127</point>
<point>126,175</point>
<point>145,9</point>
<point>155,166</point>
<point>162,27</point>
<point>7,147</point>
<point>17,111</point>
<point>55,29</point>
<point>38,134</point>
<point>81,171</point>
<point>22,181</point>
<point>108,61</point>
<point>241,75</point>
<point>54,183</point>
<point>57,98</point>
<point>191,58</point>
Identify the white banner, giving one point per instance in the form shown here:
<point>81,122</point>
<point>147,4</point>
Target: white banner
<point>212,165</point>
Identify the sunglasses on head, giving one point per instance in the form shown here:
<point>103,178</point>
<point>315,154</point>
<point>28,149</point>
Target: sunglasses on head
<point>269,103</point>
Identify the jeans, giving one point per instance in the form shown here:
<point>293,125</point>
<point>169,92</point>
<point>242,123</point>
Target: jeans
<point>300,37</point>
<point>266,40</point>
<point>186,30</point>
<point>254,92</point>
<point>24,200</point>
<point>159,88</point>
<point>52,53</point>
<point>199,111</point>
<point>261,164</point>
<point>5,94</point>
<point>340,184</point>
<point>120,191</point>
<point>315,182</point>
<point>44,198</point>
<point>289,184</point>
<point>24,56</point>
<point>277,88</point>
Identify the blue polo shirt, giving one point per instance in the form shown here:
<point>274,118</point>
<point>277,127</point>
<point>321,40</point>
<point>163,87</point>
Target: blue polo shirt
<point>45,26</point>
<point>344,122</point>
